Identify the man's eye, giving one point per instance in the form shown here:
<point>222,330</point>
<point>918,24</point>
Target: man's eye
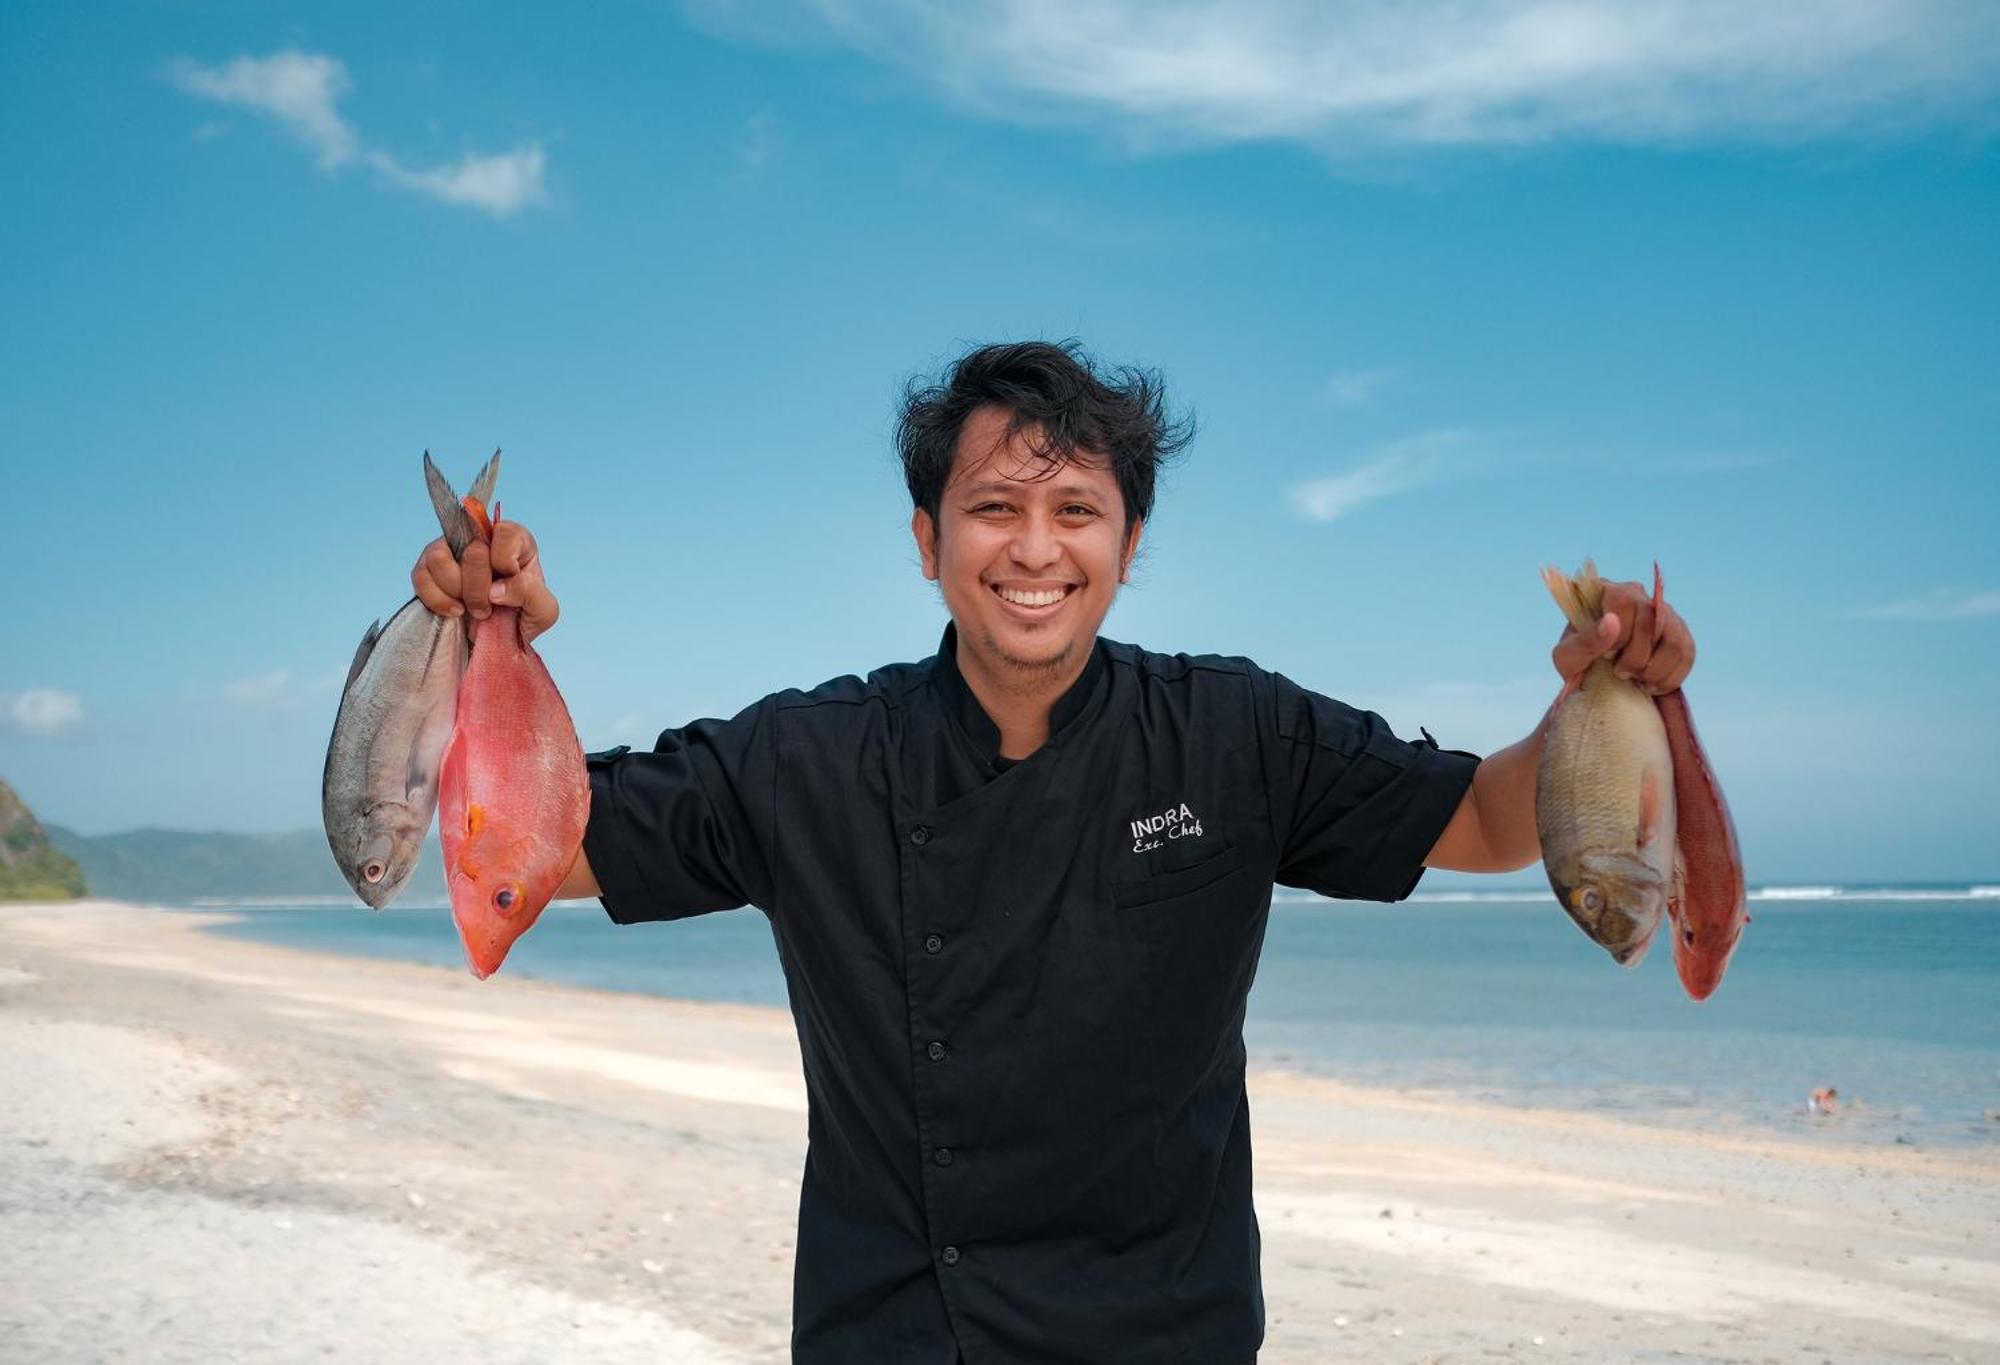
<point>985,507</point>
<point>1077,509</point>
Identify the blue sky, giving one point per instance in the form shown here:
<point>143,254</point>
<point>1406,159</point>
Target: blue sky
<point>1453,292</point>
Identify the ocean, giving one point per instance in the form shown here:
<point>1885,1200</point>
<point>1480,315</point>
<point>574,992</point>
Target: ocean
<point>1890,995</point>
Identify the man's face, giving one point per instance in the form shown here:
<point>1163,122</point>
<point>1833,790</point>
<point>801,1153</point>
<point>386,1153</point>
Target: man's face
<point>1028,560</point>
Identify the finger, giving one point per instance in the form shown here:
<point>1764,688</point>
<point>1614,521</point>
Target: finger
<point>513,549</point>
<point>1576,651</point>
<point>1673,660</point>
<point>1632,660</point>
<point>435,578</point>
<point>539,613</point>
<point>476,581</point>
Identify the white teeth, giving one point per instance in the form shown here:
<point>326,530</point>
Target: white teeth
<point>1047,598</point>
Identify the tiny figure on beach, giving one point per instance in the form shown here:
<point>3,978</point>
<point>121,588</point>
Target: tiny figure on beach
<point>1823,1100</point>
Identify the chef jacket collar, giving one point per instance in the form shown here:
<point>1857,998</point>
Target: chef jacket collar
<point>972,717</point>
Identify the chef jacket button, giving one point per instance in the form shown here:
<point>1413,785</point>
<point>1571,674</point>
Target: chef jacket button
<point>934,944</point>
<point>921,835</point>
<point>949,1255</point>
<point>935,1052</point>
<point>942,1156</point>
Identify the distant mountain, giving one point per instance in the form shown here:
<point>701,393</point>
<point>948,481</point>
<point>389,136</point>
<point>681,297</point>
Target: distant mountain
<point>30,870</point>
<point>180,865</point>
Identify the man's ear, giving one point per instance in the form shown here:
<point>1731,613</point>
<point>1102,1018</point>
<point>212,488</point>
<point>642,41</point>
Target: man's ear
<point>1131,549</point>
<point>924,529</point>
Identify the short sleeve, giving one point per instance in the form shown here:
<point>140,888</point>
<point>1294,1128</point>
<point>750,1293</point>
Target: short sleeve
<point>1355,809</point>
<point>685,829</point>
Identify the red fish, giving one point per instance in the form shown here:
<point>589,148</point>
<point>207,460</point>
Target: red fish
<point>1708,908</point>
<point>513,795</point>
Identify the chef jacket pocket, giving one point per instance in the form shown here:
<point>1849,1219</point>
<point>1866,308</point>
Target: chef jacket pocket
<point>1183,881</point>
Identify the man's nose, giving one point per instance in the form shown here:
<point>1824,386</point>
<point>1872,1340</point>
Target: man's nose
<point>1036,546</point>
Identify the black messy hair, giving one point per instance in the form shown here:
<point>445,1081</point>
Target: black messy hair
<point>1055,391</point>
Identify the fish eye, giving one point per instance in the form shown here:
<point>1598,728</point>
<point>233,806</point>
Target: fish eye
<point>504,898</point>
<point>1592,901</point>
<point>372,871</point>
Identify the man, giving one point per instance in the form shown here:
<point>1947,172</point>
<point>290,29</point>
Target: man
<point>1019,891</point>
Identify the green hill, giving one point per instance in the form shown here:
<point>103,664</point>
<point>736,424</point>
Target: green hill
<point>31,870</point>
<point>182,865</point>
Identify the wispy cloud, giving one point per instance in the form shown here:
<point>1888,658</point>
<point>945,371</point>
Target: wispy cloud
<point>501,184</point>
<point>1352,388</point>
<point>41,710</point>
<point>301,91</point>
<point>1940,604</point>
<point>1385,472</point>
<point>1444,73</point>
<point>757,143</point>
<point>262,692</point>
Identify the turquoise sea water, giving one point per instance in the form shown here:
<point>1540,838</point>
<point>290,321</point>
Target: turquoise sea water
<point>1891,995</point>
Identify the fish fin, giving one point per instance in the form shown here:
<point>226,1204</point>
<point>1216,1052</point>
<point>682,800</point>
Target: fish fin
<point>361,654</point>
<point>1649,808</point>
<point>476,510</point>
<point>1659,605</point>
<point>489,474</point>
<point>1581,597</point>
<point>475,821</point>
<point>459,531</point>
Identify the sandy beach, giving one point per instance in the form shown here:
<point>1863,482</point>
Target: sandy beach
<point>217,1150</point>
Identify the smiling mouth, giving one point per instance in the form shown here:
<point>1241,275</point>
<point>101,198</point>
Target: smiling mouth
<point>1034,600</point>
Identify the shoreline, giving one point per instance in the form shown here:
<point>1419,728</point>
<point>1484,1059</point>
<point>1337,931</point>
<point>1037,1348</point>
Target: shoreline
<point>219,1145</point>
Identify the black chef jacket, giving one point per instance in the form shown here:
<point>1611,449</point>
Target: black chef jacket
<point>1019,987</point>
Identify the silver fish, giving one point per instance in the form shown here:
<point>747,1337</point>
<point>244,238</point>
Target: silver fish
<point>1604,797</point>
<point>380,785</point>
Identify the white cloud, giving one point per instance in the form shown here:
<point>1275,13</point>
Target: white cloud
<point>263,692</point>
<point>1940,604</point>
<point>502,185</point>
<point>299,89</point>
<point>42,710</point>
<point>302,91</point>
<point>1395,468</point>
<point>1352,388</point>
<point>1354,76</point>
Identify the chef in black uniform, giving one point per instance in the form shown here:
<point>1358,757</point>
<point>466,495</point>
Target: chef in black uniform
<point>1019,889</point>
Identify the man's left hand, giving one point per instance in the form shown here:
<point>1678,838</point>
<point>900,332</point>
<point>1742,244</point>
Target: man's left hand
<point>1652,649</point>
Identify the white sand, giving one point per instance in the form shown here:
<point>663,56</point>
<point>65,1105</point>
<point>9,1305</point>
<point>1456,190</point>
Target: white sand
<point>214,1150</point>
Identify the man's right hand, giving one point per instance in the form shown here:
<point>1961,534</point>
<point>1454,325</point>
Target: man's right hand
<point>507,573</point>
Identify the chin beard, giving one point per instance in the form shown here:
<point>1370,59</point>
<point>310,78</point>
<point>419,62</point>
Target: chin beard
<point>1031,671</point>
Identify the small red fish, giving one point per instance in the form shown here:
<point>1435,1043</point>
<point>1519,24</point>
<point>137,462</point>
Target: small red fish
<point>1709,907</point>
<point>513,795</point>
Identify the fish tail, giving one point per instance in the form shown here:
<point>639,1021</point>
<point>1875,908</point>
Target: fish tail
<point>489,474</point>
<point>1581,598</point>
<point>458,528</point>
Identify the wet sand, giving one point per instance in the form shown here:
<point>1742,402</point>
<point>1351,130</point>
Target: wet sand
<point>216,1150</point>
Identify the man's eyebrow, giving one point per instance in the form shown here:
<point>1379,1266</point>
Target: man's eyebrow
<point>1061,490</point>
